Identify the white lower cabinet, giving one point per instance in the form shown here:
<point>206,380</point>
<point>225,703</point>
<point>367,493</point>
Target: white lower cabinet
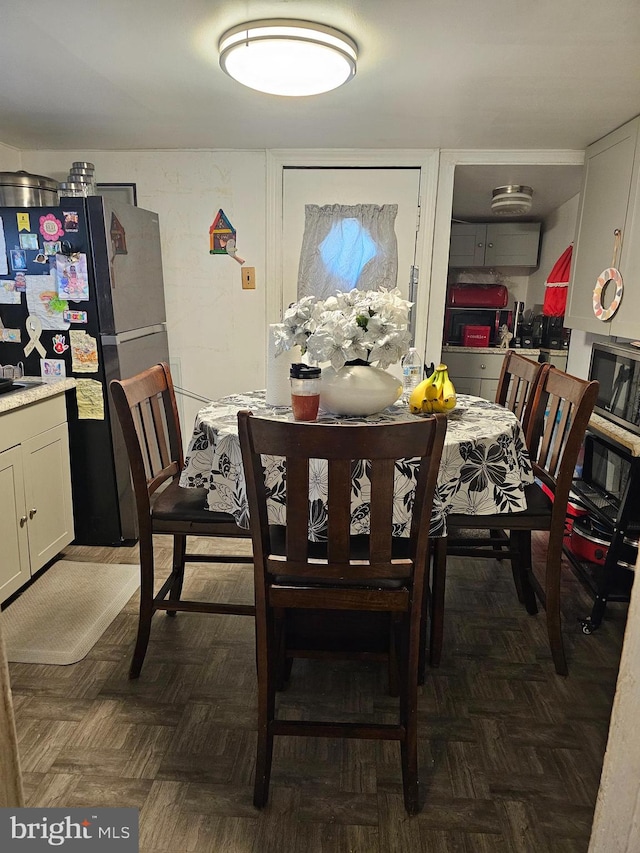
<point>475,373</point>
<point>36,515</point>
<point>14,565</point>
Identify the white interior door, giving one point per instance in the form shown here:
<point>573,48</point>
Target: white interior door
<point>369,185</point>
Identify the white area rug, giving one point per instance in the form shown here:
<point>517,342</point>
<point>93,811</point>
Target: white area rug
<point>62,615</point>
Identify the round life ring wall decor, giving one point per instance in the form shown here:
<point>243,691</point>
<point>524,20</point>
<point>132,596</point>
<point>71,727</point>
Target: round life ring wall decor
<point>610,274</point>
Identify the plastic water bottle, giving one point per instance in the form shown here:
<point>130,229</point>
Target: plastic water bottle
<point>412,369</point>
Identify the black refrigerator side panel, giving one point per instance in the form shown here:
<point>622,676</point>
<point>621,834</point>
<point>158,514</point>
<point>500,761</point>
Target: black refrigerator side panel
<point>96,512</point>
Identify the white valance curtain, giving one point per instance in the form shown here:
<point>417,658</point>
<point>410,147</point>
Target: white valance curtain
<point>347,246</point>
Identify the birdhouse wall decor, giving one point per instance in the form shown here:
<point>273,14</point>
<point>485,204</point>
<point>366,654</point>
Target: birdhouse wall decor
<point>220,232</point>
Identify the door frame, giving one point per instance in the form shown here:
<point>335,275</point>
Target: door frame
<point>278,159</point>
<point>449,159</point>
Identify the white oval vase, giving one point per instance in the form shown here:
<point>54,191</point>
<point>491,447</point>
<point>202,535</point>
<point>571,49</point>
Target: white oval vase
<point>358,390</point>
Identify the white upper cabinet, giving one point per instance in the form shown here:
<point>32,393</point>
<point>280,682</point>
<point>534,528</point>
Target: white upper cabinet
<point>609,201</point>
<point>494,244</point>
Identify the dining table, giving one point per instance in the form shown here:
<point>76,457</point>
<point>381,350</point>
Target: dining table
<point>484,469</point>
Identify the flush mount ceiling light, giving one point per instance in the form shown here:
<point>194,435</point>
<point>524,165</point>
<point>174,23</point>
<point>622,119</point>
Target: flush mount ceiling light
<point>283,57</point>
<point>512,200</point>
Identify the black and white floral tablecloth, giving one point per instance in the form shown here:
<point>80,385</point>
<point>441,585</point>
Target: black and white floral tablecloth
<point>485,465</point>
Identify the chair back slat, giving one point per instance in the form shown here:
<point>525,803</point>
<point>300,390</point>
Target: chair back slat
<point>158,413</point>
<point>550,433</point>
<point>381,511</point>
<point>152,439</point>
<point>519,396</point>
<point>339,519</point>
<point>297,480</point>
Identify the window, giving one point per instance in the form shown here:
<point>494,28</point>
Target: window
<point>347,246</point>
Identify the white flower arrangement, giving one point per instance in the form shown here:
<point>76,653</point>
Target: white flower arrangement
<point>371,325</point>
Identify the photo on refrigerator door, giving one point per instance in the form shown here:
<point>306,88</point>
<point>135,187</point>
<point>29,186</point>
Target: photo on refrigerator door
<point>73,279</point>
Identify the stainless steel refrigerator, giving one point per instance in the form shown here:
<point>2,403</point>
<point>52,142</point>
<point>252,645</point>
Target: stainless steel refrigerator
<point>124,313</point>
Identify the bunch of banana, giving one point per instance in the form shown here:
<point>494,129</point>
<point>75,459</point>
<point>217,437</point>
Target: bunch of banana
<point>434,394</point>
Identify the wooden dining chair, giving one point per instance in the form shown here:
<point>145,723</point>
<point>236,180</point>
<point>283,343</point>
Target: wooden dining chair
<point>517,385</point>
<point>147,411</point>
<point>561,409</point>
<point>519,379</point>
<point>377,573</point>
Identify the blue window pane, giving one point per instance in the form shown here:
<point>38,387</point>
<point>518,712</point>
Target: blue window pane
<point>346,250</point>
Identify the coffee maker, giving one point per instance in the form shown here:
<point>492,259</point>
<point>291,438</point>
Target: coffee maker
<point>553,336</point>
<point>531,330</point>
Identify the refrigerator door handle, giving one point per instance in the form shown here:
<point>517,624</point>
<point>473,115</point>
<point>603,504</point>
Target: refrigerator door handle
<point>131,335</point>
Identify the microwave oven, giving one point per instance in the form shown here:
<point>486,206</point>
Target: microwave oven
<point>455,319</point>
<point>617,368</point>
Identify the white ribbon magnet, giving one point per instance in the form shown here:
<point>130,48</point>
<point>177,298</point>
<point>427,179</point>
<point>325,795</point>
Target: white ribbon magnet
<point>34,328</point>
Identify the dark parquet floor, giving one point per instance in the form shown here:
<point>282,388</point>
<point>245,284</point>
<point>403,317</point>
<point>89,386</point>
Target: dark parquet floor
<point>510,752</point>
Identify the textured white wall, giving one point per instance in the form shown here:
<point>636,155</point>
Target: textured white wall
<point>558,230</point>
<point>216,330</point>
<point>9,158</point>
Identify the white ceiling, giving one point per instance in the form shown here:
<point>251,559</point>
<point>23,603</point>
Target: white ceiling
<point>496,74</point>
<point>551,185</point>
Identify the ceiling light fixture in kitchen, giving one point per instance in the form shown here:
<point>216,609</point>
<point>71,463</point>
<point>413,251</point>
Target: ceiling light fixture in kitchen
<point>512,200</point>
<point>284,57</point>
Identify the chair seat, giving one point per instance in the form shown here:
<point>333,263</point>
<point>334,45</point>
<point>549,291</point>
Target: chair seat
<point>536,516</point>
<point>318,551</point>
<point>188,505</point>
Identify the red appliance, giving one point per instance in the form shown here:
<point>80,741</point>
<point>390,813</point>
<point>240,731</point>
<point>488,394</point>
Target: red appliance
<point>477,296</point>
<point>575,510</point>
<point>589,541</point>
<point>476,336</point>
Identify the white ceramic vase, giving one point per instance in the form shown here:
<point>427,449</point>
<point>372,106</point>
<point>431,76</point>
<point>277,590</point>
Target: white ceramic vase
<point>358,390</point>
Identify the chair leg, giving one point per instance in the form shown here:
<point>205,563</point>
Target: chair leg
<point>422,660</point>
<point>522,567</point>
<point>283,663</point>
<point>498,534</point>
<point>265,631</point>
<point>409,720</point>
<point>394,650</point>
<point>438,574</point>
<point>146,607</point>
<point>554,624</point>
<point>179,551</point>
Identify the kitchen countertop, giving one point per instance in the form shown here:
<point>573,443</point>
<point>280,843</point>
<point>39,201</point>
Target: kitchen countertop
<point>618,433</point>
<point>34,391</point>
<point>497,350</point>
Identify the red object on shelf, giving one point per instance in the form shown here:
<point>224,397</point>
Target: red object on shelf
<point>476,336</point>
<point>478,296</point>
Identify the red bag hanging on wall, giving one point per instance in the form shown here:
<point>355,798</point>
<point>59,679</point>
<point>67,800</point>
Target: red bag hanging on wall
<point>557,285</point>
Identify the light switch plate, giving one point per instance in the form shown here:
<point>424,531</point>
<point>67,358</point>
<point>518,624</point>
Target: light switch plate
<point>248,278</point>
